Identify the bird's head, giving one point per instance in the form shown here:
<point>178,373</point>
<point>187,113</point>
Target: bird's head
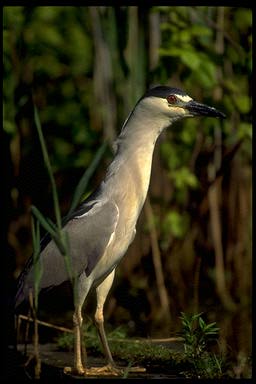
<point>173,104</point>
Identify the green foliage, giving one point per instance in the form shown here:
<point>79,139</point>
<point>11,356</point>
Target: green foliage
<point>175,223</point>
<point>66,340</point>
<point>191,48</point>
<point>57,51</point>
<point>176,153</point>
<point>196,360</point>
<point>197,335</point>
<point>183,178</point>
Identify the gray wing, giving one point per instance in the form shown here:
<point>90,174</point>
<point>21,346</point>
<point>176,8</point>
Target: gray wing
<point>89,231</point>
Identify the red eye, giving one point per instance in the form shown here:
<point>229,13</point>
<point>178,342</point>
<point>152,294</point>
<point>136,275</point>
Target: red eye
<point>171,99</point>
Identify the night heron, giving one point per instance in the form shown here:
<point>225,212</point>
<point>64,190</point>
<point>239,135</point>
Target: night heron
<point>104,225</point>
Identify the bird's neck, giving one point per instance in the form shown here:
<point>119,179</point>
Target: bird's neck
<point>131,167</point>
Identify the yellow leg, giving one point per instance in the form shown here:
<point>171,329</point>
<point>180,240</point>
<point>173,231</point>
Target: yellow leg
<point>78,321</point>
<point>102,292</point>
<point>78,368</point>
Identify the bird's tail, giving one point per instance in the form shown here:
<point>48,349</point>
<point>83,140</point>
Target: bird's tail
<point>22,288</point>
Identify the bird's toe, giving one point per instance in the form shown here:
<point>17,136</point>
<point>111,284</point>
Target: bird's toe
<point>80,371</point>
<point>106,370</point>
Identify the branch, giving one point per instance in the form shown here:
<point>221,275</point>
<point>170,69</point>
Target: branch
<point>162,291</point>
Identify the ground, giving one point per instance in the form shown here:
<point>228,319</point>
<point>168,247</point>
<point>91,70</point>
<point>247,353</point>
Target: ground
<point>54,361</point>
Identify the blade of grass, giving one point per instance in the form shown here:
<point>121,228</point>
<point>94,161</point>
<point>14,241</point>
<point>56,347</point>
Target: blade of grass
<point>48,226</point>
<point>49,169</point>
<point>57,233</point>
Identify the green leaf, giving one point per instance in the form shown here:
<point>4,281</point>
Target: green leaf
<point>191,59</point>
<point>175,52</point>
<point>175,223</point>
<point>245,131</point>
<point>183,178</point>
<point>200,30</point>
<point>201,323</point>
<point>243,103</point>
<point>243,18</point>
<point>48,226</point>
<point>49,168</point>
<point>9,127</point>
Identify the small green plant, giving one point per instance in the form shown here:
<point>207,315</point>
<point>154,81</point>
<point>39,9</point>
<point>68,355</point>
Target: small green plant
<point>66,340</point>
<point>197,336</point>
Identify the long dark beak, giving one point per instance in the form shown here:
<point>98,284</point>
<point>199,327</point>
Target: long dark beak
<point>198,109</point>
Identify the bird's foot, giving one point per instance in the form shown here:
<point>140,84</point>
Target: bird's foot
<point>106,370</point>
<point>78,371</point>
<point>112,370</point>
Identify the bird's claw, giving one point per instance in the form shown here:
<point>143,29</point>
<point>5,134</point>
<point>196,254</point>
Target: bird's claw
<point>79,371</point>
<point>106,370</point>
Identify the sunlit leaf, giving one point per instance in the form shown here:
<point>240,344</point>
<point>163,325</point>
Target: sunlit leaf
<point>190,58</point>
<point>243,103</point>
